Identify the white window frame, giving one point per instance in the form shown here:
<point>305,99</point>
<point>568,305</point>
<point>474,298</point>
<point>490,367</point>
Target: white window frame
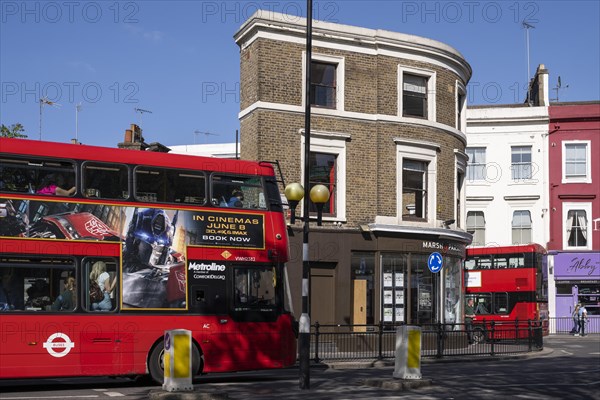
<point>469,163</point>
<point>460,167</point>
<point>430,75</point>
<point>519,165</point>
<point>588,162</point>
<point>340,63</point>
<point>461,109</point>
<point>419,151</point>
<point>330,143</point>
<point>484,225</point>
<point>521,228</point>
<point>587,207</point>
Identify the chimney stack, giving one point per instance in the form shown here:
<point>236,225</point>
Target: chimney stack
<point>539,95</point>
<point>133,139</point>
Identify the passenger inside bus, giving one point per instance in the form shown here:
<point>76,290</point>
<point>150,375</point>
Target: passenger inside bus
<point>38,295</point>
<point>236,199</point>
<point>11,294</point>
<point>53,185</point>
<point>481,309</point>
<point>66,300</point>
<point>102,277</point>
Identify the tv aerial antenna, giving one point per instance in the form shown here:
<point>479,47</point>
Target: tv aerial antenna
<point>46,101</point>
<point>557,88</point>
<point>142,112</point>
<point>197,132</point>
<point>77,110</point>
<point>527,27</point>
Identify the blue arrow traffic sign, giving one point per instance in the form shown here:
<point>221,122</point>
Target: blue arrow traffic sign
<point>434,262</point>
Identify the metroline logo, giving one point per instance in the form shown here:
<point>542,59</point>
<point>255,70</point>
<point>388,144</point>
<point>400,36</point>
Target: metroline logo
<point>206,267</point>
<point>58,340</point>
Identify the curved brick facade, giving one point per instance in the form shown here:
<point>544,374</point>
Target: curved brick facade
<point>272,60</point>
<point>272,74</point>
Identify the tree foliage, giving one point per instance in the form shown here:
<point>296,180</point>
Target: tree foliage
<point>12,131</point>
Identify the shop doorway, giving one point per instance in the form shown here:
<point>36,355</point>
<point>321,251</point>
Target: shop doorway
<point>322,308</point>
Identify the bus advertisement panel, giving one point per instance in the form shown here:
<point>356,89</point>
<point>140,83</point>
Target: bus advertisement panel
<point>92,277</point>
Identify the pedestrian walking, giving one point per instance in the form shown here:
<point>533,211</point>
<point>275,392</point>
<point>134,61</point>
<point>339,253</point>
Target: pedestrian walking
<point>582,315</point>
<point>575,316</point>
<point>469,317</point>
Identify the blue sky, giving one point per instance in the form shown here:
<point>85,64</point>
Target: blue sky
<point>178,59</point>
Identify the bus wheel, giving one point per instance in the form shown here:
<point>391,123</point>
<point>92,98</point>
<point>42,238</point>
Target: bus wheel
<point>156,364</point>
<point>479,335</point>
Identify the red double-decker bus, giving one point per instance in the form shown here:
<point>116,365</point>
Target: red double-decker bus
<point>171,242</point>
<point>507,286</point>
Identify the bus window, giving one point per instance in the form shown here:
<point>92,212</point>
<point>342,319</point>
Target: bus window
<point>55,178</point>
<point>150,185</point>
<point>254,287</point>
<point>274,195</point>
<point>188,187</point>
<point>16,176</point>
<point>470,264</point>
<point>501,303</point>
<point>500,262</point>
<point>41,176</point>
<point>484,263</point>
<point>162,185</point>
<point>32,284</point>
<point>516,261</point>
<point>483,303</point>
<point>106,181</point>
<point>103,273</point>
<point>238,192</point>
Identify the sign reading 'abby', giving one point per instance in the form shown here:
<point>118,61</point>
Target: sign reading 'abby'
<point>228,230</point>
<point>577,264</point>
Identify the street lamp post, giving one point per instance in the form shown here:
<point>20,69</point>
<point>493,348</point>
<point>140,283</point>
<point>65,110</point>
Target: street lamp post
<point>319,194</point>
<point>294,192</point>
<point>304,328</point>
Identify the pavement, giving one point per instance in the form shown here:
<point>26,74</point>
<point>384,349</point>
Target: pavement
<point>353,379</point>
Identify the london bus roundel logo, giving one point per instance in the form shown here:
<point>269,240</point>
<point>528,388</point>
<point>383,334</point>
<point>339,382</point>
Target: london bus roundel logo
<point>58,341</point>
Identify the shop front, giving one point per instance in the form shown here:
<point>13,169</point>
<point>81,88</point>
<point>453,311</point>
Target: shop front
<point>573,278</point>
<point>371,277</point>
<point>404,289</point>
<point>576,280</point>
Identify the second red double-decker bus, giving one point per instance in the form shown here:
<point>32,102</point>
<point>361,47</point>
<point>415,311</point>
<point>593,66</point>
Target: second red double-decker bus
<point>170,241</point>
<point>507,286</point>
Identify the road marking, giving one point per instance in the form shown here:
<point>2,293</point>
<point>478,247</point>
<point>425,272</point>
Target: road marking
<point>89,396</point>
<point>566,352</point>
<point>109,394</point>
<point>593,383</point>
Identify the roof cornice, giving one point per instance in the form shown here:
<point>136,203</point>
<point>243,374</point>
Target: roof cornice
<point>362,40</point>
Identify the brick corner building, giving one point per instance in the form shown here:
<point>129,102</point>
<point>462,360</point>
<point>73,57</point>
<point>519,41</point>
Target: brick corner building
<point>387,139</point>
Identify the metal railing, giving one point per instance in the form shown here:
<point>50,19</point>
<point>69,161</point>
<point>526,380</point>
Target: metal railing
<point>565,325</point>
<point>378,342</point>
